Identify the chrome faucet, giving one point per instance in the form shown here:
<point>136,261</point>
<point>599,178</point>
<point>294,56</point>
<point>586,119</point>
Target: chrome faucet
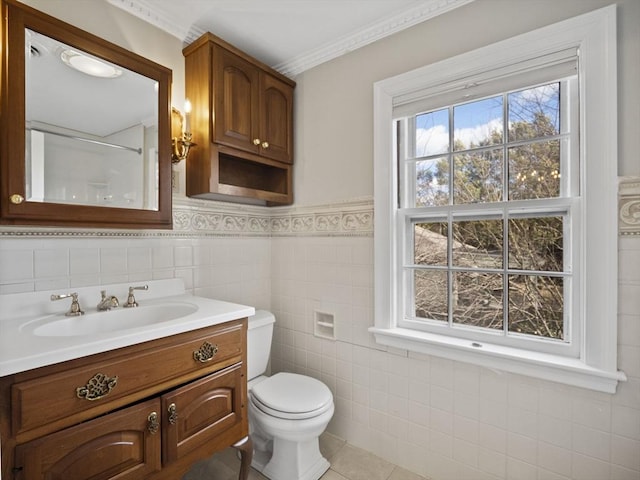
<point>131,300</point>
<point>107,302</point>
<point>75,309</point>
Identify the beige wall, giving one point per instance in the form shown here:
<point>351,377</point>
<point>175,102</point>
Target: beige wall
<point>334,144</point>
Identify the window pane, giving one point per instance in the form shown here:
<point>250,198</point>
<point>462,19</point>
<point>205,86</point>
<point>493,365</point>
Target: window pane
<point>536,305</point>
<point>430,245</point>
<point>534,171</point>
<point>478,124</point>
<point>432,133</point>
<point>478,244</point>
<point>477,299</point>
<point>478,177</point>
<point>431,297</point>
<point>432,182</point>
<point>536,244</point>
<point>534,112</point>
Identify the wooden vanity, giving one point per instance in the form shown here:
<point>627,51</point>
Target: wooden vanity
<point>140,403</point>
<point>145,411</point>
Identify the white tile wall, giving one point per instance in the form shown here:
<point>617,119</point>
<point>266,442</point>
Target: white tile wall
<point>233,269</point>
<point>444,419</point>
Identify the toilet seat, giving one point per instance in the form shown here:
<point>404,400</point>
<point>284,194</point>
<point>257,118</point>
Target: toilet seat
<point>292,396</point>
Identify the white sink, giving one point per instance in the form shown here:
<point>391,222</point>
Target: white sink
<point>34,331</point>
<point>116,320</point>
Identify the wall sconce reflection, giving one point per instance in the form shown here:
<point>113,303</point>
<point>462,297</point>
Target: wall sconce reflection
<point>181,133</point>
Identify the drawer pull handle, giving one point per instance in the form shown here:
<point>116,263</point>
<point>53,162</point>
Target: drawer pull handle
<point>205,353</point>
<point>153,425</point>
<point>173,414</point>
<point>96,388</point>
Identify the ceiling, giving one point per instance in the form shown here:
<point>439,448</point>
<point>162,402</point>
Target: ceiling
<point>289,35</point>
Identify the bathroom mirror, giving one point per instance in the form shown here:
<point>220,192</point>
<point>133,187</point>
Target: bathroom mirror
<point>85,128</point>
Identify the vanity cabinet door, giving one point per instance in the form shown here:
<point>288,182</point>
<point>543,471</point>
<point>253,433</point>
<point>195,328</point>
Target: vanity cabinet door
<point>210,412</point>
<point>123,445</point>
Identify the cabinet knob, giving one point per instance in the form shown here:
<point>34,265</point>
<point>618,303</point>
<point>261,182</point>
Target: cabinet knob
<point>265,145</point>
<point>256,141</point>
<point>17,199</point>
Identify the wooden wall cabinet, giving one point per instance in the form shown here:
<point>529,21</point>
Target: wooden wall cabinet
<point>167,408</point>
<point>242,121</point>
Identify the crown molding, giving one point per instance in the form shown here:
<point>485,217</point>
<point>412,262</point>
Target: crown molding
<point>144,10</point>
<point>147,11</point>
<point>394,24</point>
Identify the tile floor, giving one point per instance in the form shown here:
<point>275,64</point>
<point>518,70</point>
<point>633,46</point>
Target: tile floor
<point>347,463</point>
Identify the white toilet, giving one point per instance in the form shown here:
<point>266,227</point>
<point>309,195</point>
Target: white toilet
<point>287,412</point>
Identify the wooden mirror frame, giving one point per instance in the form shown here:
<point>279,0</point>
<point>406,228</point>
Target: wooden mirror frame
<point>17,17</point>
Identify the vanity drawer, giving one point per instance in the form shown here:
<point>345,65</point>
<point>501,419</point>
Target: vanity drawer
<point>113,379</point>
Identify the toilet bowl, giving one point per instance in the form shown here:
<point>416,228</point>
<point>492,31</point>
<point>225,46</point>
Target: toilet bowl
<point>287,412</point>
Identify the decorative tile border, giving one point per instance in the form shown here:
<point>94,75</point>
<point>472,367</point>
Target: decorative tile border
<point>629,205</point>
<point>205,218</point>
<point>353,218</point>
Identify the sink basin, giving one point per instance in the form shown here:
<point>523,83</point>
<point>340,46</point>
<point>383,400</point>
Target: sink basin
<point>111,321</point>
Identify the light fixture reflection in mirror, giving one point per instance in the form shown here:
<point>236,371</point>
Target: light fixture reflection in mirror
<point>181,133</point>
<point>89,65</point>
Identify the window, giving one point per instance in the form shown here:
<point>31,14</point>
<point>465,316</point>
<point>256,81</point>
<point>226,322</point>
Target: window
<point>495,205</point>
<point>487,195</point>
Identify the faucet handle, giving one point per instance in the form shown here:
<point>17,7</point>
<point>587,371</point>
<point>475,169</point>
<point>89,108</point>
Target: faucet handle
<point>75,309</point>
<point>131,300</point>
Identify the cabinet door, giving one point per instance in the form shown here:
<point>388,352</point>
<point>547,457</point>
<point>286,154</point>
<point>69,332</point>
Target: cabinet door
<point>235,97</point>
<point>210,411</point>
<point>276,119</point>
<point>122,445</point>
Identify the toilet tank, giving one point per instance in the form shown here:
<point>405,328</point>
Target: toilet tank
<point>259,334</point>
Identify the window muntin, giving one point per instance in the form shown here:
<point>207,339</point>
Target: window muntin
<point>488,218</point>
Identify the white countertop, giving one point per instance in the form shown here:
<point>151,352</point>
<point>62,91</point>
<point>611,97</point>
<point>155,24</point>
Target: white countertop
<point>21,349</point>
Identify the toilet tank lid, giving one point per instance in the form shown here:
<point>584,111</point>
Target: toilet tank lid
<point>260,319</point>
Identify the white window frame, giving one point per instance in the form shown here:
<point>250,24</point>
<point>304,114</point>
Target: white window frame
<point>567,204</point>
<point>594,35</point>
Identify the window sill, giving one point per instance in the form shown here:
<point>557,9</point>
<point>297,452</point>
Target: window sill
<point>570,371</point>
